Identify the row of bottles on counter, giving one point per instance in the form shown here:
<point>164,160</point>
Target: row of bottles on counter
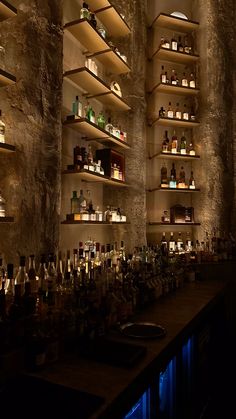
<point>85,160</point>
<point>185,81</point>
<point>212,248</point>
<point>85,13</point>
<point>177,112</point>
<point>87,111</point>
<point>82,209</point>
<point>177,44</point>
<point>177,146</point>
<point>174,181</point>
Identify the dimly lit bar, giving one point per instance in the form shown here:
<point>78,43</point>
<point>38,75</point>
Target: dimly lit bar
<point>117,209</point>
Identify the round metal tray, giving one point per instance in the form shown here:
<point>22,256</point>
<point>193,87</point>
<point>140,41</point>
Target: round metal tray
<point>143,330</point>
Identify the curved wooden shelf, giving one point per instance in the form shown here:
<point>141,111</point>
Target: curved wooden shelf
<point>96,45</point>
<point>178,156</point>
<point>173,122</point>
<point>95,177</point>
<point>6,78</point>
<point>165,54</point>
<point>96,88</point>
<point>102,223</point>
<point>6,10</point>
<point>6,220</point>
<point>110,17</point>
<point>174,190</point>
<point>7,148</point>
<point>175,23</point>
<point>171,89</point>
<point>156,223</point>
<point>94,133</point>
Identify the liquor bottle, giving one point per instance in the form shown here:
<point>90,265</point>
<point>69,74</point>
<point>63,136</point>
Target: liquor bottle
<point>184,80</point>
<point>186,45</point>
<point>43,277</point>
<point>93,20</point>
<point>2,129</point>
<point>102,32</point>
<point>109,126</point>
<point>192,82</point>
<point>108,214</point>
<point>165,218</point>
<point>163,244</point>
<point>9,284</point>
<point>165,43</point>
<point>192,181</point>
<point>191,149</point>
<point>167,78</point>
<point>185,113</point>
<point>90,159</point>
<point>164,179</point>
<point>82,204</point>
<point>165,143</point>
<point>51,282</point>
<point>101,122</point>
<point>28,300</point>
<point>192,114</point>
<point>84,12</point>
<point>181,181</point>
<point>172,181</point>
<point>163,75</point>
<point>183,145</point>
<point>78,159</point>
<point>32,275</point>
<point>174,144</point>
<point>173,78</point>
<point>91,115</point>
<point>171,243</point>
<point>174,43</point>
<point>180,242</point>
<point>21,276</point>
<point>180,45</point>
<point>178,113</point>
<point>2,206</point>
<point>74,203</point>
<point>77,108</point>
<point>170,112</point>
<point>162,112</point>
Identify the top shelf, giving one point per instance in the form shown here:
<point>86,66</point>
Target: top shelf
<point>110,17</point>
<point>6,10</point>
<point>96,45</point>
<point>175,23</point>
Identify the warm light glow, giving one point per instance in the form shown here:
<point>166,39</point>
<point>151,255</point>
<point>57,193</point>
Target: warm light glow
<point>180,15</point>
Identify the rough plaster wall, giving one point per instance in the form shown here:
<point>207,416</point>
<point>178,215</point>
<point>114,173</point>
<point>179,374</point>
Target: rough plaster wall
<point>133,199</point>
<point>216,48</point>
<point>30,179</point>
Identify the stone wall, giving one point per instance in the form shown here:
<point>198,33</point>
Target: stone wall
<point>30,179</point>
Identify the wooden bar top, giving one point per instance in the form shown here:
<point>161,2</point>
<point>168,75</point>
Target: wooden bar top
<point>180,313</point>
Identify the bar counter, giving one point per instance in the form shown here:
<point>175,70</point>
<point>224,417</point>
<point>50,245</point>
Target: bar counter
<point>179,313</point>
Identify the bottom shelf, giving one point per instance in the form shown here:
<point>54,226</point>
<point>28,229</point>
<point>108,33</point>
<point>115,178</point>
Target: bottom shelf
<point>6,219</point>
<point>93,222</point>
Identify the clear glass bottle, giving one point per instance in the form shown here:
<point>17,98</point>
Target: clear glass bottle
<point>183,144</point>
<point>77,107</point>
<point>170,112</point>
<point>174,144</point>
<point>174,43</point>
<point>192,181</point>
<point>2,129</point>
<point>178,113</point>
<point>82,203</point>
<point>21,276</point>
<point>32,275</point>
<point>84,12</point>
<point>192,82</point>
<point>184,81</point>
<point>2,206</point>
<point>109,126</point>
<point>185,113</point>
<point>163,75</point>
<point>165,143</point>
<point>74,203</point>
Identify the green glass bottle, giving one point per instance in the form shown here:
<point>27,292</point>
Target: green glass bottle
<point>101,120</point>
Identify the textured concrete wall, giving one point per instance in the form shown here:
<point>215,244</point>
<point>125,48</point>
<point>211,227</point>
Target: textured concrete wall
<point>133,199</point>
<point>215,204</point>
<point>30,180</point>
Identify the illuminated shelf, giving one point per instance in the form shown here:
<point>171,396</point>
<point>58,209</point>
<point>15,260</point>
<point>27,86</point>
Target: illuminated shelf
<point>7,148</point>
<point>178,156</point>
<point>95,177</point>
<point>175,23</point>
<point>165,54</point>
<point>81,222</point>
<point>172,122</point>
<point>110,17</point>
<point>6,219</point>
<point>6,10</point>
<point>174,190</point>
<point>174,90</point>
<point>96,88</point>
<point>92,132</point>
<point>156,223</point>
<point>6,78</point>
<point>96,45</point>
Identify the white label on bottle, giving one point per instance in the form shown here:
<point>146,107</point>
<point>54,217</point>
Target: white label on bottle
<point>85,216</point>
<point>170,114</point>
<point>2,212</point>
<point>183,151</point>
<point>185,83</point>
<point>166,45</point>
<point>192,153</point>
<point>174,82</point>
<point>174,45</point>
<point>80,110</point>
<point>192,84</point>
<point>185,115</point>
<point>174,150</point>
<point>178,115</point>
<point>163,78</point>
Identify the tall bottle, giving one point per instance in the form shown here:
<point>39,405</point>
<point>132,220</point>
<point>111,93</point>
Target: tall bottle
<point>165,143</point>
<point>164,179</point>
<point>77,107</point>
<point>2,129</point>
<point>21,276</point>
<point>163,78</point>
<point>32,275</point>
<point>51,281</point>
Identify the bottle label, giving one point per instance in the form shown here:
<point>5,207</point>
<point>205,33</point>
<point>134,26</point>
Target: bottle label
<point>183,151</point>
<point>192,84</point>
<point>185,83</point>
<point>163,78</point>
<point>174,45</point>
<point>170,114</point>
<point>178,115</point>
<point>185,116</point>
<point>174,82</point>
